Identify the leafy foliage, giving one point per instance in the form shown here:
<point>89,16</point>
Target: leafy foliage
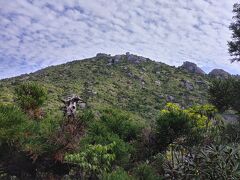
<point>210,162</point>
<point>171,124</point>
<point>187,126</point>
<point>120,123</point>
<point>94,160</point>
<point>115,126</point>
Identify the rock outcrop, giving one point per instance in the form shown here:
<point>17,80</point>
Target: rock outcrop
<point>188,85</point>
<point>129,57</point>
<point>219,73</point>
<point>100,55</point>
<point>192,68</point>
<point>170,98</point>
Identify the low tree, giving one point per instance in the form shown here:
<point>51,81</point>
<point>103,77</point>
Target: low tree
<point>183,126</point>
<point>30,97</point>
<point>13,123</point>
<point>171,124</point>
<point>234,45</point>
<point>220,93</point>
<point>225,94</point>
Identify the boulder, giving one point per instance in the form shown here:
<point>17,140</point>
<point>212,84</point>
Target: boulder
<point>144,69</point>
<point>82,105</point>
<point>114,60</point>
<point>188,85</point>
<point>158,83</point>
<point>199,82</point>
<point>230,117</point>
<point>192,68</point>
<point>129,74</point>
<point>170,98</point>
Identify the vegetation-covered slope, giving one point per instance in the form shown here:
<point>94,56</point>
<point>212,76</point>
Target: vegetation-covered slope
<point>128,82</point>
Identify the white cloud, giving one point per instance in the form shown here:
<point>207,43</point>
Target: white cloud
<point>35,34</point>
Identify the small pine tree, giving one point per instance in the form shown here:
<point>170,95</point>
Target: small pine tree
<point>30,97</point>
<point>220,94</point>
<point>234,45</point>
<point>225,94</point>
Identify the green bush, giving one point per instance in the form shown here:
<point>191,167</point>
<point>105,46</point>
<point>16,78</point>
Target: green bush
<point>13,123</point>
<point>118,174</point>
<point>121,123</point>
<point>122,151</point>
<point>30,97</point>
<point>94,160</point>
<point>219,162</point>
<point>231,133</point>
<point>145,171</point>
<point>39,133</point>
<point>171,124</point>
<point>114,126</point>
<point>191,126</point>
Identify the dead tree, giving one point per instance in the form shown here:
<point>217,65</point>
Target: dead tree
<point>70,107</point>
<point>71,129</point>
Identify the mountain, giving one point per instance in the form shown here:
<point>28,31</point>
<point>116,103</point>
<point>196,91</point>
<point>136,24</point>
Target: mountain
<point>127,82</point>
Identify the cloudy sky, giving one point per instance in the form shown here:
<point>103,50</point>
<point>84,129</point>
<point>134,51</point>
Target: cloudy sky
<point>36,34</point>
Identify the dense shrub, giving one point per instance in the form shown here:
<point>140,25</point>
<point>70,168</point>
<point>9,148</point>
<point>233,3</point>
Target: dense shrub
<point>123,149</point>
<point>114,126</point>
<point>30,97</point>
<point>13,123</point>
<point>210,162</point>
<point>121,123</point>
<point>189,126</point>
<point>225,94</point>
<point>39,134</point>
<point>118,174</point>
<point>171,124</point>
<point>231,133</point>
<point>145,171</point>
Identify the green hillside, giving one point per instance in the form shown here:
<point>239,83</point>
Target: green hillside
<point>128,82</point>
